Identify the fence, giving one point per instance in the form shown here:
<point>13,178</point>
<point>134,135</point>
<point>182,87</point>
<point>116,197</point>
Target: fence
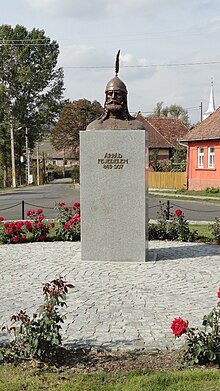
<point>168,206</point>
<point>166,180</point>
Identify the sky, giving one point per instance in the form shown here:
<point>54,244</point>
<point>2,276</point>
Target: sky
<point>169,48</point>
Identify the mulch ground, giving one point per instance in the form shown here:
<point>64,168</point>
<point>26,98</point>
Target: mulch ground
<point>88,362</point>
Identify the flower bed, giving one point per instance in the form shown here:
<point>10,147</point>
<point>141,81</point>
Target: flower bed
<point>66,226</point>
<point>36,229</point>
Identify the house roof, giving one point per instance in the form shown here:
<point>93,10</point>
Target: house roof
<point>46,148</point>
<point>163,132</point>
<point>207,129</point>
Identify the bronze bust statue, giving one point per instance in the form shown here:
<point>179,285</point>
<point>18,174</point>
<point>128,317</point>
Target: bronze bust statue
<point>116,115</point>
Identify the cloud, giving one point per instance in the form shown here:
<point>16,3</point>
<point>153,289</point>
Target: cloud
<point>89,83</point>
<point>214,25</point>
<point>81,56</point>
<point>96,9</point>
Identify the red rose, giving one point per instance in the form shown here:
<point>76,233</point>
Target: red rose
<point>10,231</point>
<point>61,203</point>
<point>6,225</point>
<point>52,224</point>
<point>39,211</point>
<point>1,218</point>
<point>24,238</point>
<point>179,327</point>
<point>76,205</point>
<point>75,218</point>
<point>178,212</point>
<point>39,225</point>
<point>18,228</point>
<point>66,208</point>
<point>11,225</point>
<point>15,239</point>
<point>30,212</point>
<point>40,218</point>
<point>19,224</point>
<point>42,238</point>
<point>67,226</point>
<point>219,293</point>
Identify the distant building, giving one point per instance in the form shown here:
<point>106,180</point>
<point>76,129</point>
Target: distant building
<point>163,134</point>
<point>48,153</point>
<point>204,153</point>
<point>211,107</point>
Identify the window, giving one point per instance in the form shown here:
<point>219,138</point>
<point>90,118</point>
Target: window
<point>211,156</point>
<point>200,157</point>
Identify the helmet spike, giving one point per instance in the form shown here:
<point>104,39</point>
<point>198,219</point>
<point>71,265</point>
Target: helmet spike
<point>117,63</point>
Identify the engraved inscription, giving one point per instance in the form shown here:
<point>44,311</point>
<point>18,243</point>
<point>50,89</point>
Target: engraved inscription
<point>113,161</point>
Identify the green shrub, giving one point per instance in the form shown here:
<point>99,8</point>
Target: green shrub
<point>215,229</point>
<point>38,337</point>
<point>201,346</point>
<point>171,226</point>
<point>213,190</point>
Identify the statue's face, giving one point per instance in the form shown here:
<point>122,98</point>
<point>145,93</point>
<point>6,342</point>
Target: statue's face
<point>114,101</point>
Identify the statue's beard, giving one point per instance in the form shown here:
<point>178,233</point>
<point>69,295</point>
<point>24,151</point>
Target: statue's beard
<point>114,107</point>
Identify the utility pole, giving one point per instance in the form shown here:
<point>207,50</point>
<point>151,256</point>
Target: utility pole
<point>12,156</point>
<point>27,156</point>
<point>38,167</point>
<point>64,161</point>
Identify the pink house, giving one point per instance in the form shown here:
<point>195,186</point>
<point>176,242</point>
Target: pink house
<point>204,153</point>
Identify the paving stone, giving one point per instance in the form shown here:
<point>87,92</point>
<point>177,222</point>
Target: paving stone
<point>114,306</point>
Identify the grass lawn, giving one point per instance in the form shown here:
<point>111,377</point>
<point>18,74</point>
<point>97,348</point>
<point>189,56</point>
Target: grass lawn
<point>212,192</point>
<point>173,196</point>
<point>204,231</point>
<point>22,378</point>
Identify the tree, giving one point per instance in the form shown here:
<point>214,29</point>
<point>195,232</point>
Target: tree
<point>74,117</point>
<point>172,110</point>
<point>31,86</point>
<point>179,158</point>
<point>176,163</point>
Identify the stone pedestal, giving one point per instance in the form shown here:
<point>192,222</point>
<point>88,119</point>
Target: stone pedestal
<point>113,195</point>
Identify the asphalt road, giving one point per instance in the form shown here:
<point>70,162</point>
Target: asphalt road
<point>193,210</point>
<point>46,196</point>
<point>35,197</point>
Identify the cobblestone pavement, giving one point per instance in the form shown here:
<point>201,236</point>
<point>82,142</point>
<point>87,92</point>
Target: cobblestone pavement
<point>114,306</point>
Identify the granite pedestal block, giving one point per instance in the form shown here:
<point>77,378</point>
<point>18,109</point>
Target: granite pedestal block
<point>113,195</point>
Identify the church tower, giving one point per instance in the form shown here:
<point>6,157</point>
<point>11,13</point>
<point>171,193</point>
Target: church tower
<point>211,107</point>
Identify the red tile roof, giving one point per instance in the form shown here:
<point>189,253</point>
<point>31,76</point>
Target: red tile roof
<point>163,132</point>
<point>207,129</point>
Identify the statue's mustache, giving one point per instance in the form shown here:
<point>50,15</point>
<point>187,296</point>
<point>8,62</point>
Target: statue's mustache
<point>114,102</point>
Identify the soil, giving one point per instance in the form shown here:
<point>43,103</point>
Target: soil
<point>88,362</point>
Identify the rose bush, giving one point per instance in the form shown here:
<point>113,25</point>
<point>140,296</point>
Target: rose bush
<point>37,226</point>
<point>37,229</point>
<point>38,337</point>
<point>14,232</point>
<point>174,228</point>
<point>215,229</point>
<point>201,346</point>
<point>68,222</point>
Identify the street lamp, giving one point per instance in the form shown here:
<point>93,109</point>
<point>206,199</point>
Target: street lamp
<point>13,174</point>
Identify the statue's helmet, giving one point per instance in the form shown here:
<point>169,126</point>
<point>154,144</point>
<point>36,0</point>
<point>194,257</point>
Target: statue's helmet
<point>116,84</point>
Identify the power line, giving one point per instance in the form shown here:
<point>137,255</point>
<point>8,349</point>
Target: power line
<point>144,66</point>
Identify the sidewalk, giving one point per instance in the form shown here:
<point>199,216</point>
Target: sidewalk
<point>114,306</point>
<point>163,192</point>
